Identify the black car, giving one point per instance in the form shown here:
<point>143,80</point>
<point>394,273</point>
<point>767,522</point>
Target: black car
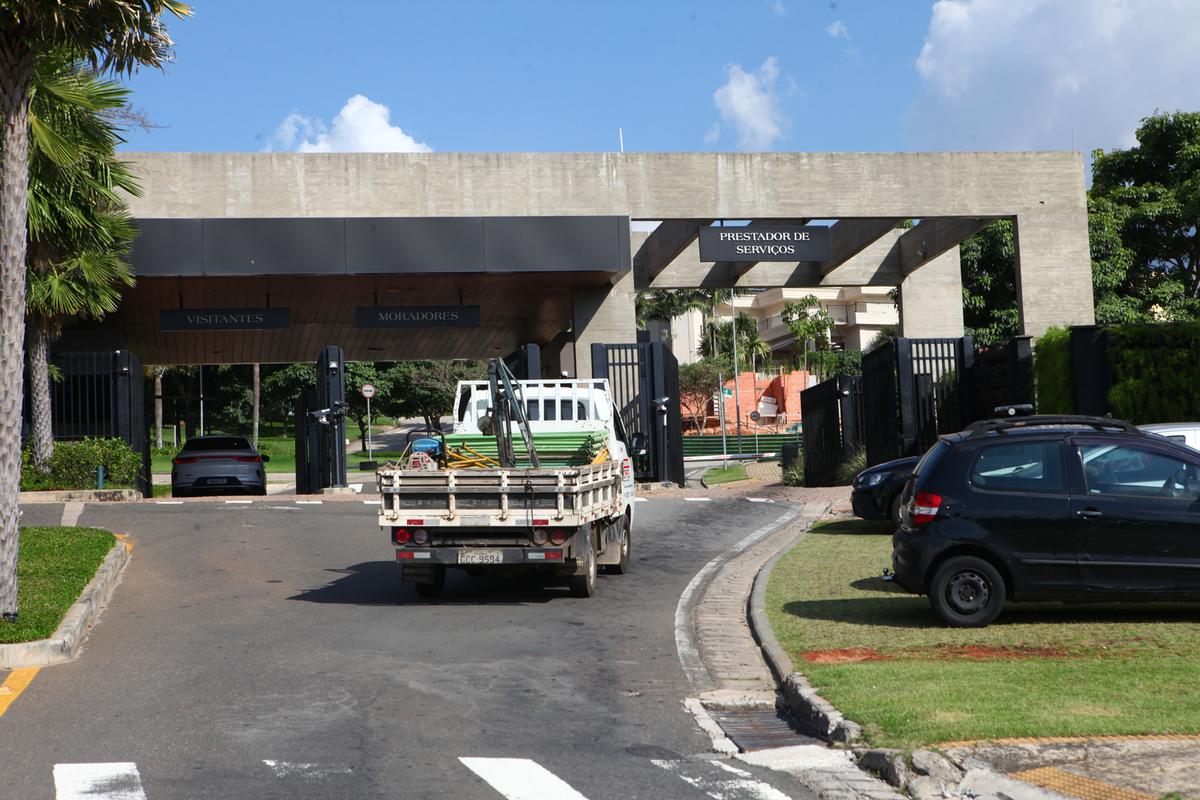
<point>1040,508</point>
<point>876,491</point>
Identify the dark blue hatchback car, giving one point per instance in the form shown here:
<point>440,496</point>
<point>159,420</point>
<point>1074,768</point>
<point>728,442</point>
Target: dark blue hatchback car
<point>1039,508</point>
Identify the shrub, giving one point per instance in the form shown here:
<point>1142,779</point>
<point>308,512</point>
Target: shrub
<point>1052,372</point>
<point>73,466</point>
<point>848,470</point>
<point>794,475</point>
<point>1155,372</point>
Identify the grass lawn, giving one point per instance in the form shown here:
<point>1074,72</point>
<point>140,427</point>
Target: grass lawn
<point>1044,669</point>
<point>53,566</point>
<point>725,475</point>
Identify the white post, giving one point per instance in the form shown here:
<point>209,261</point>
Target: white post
<point>201,399</point>
<point>368,429</point>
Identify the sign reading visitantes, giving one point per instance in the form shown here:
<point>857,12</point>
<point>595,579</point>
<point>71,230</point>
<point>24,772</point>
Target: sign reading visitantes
<point>223,319</point>
<point>417,317</point>
<point>765,243</point>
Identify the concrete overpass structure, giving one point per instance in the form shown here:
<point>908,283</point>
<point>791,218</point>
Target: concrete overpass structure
<point>328,235</point>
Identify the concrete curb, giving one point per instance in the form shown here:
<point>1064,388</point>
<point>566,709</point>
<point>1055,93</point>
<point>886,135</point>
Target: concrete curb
<point>80,617</point>
<point>82,496</point>
<point>812,711</point>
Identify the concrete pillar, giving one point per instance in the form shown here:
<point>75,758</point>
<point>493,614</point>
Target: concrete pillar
<point>931,302</point>
<point>1054,269</point>
<point>602,315</point>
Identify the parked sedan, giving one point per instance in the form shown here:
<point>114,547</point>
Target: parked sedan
<point>216,465</point>
<point>876,492</point>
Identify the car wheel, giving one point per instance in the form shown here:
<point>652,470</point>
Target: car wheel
<point>585,585</point>
<point>894,508</point>
<point>967,592</point>
<point>621,567</point>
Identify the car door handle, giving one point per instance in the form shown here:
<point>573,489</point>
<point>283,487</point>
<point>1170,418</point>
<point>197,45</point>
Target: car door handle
<point>1089,513</point>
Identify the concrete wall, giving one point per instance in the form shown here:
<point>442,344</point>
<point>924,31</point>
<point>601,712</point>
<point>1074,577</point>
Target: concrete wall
<point>602,316</point>
<point>931,302</point>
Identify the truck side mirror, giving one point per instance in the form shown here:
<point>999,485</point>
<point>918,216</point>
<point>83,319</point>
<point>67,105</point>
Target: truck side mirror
<point>637,444</point>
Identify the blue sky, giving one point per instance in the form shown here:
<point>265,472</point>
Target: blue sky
<point>534,75</point>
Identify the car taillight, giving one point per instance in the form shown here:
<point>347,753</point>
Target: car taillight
<point>249,459</point>
<point>925,507</point>
<point>184,460</point>
<point>559,535</point>
<point>401,535</point>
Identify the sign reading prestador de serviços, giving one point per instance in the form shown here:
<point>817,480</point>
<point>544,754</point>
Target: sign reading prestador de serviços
<point>764,243</point>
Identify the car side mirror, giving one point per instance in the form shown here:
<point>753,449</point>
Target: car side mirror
<point>265,458</point>
<point>637,444</point>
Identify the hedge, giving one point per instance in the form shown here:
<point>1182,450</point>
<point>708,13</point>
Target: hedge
<point>73,466</point>
<point>1155,372</point>
<point>1052,372</point>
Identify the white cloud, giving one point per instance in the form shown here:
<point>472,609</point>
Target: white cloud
<point>1052,74</point>
<point>779,8</point>
<point>362,126</point>
<point>837,29</point>
<point>750,103</point>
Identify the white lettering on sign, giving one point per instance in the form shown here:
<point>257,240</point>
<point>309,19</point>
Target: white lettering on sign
<point>417,316</point>
<point>765,249</point>
<point>225,319</point>
<point>764,236</point>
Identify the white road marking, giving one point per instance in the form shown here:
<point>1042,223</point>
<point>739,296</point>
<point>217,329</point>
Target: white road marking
<point>521,779</point>
<point>698,499</point>
<point>689,655</point>
<point>70,513</point>
<point>721,787</point>
<point>290,769</point>
<point>370,502</point>
<point>114,781</point>
<point>357,487</point>
<point>238,502</point>
<point>169,502</point>
<point>309,502</point>
<point>283,508</point>
<point>640,499</point>
<point>760,500</point>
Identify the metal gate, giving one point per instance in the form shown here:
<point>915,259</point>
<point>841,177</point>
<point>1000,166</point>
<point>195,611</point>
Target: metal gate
<point>941,371</point>
<point>321,426</point>
<point>102,395</point>
<point>885,434</point>
<point>829,424</point>
<point>1002,375</point>
<point>644,380</point>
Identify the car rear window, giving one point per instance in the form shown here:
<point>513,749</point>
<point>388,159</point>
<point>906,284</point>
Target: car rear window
<point>1019,467</point>
<point>218,443</point>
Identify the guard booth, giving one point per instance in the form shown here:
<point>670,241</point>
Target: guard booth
<point>321,427</point>
<point>101,394</point>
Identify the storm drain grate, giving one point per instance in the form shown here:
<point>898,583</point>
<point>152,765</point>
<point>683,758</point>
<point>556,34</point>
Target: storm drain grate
<point>759,728</point>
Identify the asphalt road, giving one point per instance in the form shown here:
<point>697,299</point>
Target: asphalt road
<point>269,651</point>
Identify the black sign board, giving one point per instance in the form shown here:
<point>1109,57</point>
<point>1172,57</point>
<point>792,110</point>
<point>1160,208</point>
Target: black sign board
<point>417,317</point>
<point>764,243</point>
<point>223,319</point>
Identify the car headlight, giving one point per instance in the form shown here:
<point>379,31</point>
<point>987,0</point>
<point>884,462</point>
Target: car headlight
<point>874,479</point>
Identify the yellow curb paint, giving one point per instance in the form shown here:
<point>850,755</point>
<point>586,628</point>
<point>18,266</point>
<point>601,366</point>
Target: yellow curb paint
<point>125,540</point>
<point>1073,785</point>
<point>17,681</point>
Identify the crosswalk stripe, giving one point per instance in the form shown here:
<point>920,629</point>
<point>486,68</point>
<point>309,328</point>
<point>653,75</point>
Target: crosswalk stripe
<point>760,500</point>
<point>641,499</point>
<point>113,781</point>
<point>237,502</point>
<point>698,499</point>
<point>521,779</point>
<point>169,502</point>
<point>370,502</point>
<point>309,502</point>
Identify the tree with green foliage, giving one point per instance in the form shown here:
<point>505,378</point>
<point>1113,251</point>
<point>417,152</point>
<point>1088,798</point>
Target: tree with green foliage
<point>989,284</point>
<point>116,35</point>
<point>810,323</point>
<point>79,229</point>
<point>751,348</point>
<point>426,388</point>
<point>359,373</point>
<point>698,382</point>
<point>664,305</point>
<point>1144,216</point>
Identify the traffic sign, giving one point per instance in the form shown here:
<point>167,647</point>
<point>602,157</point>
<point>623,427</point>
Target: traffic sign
<point>368,390</point>
<point>725,390</point>
<point>755,416</point>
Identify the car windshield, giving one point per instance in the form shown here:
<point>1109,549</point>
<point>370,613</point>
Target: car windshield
<point>218,443</point>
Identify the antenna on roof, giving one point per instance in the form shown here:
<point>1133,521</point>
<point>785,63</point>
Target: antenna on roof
<point>621,138</point>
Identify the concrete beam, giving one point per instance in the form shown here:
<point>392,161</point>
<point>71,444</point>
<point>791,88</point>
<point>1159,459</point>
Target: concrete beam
<point>663,245</point>
<point>931,298</point>
<point>603,315</point>
<point>849,237</point>
<point>1054,269</point>
<point>924,242</point>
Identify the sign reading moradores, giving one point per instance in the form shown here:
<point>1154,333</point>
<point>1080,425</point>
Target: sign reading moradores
<point>417,317</point>
<point>764,243</point>
<point>223,319</point>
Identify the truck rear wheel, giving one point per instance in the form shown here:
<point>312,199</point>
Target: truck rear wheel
<point>584,585</point>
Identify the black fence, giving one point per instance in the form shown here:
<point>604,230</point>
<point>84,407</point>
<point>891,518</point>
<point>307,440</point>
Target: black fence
<point>833,423</point>
<point>1002,375</point>
<point>102,395</point>
<point>644,380</point>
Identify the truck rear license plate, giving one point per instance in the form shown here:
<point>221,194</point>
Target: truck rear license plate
<point>480,557</point>
<point>469,521</point>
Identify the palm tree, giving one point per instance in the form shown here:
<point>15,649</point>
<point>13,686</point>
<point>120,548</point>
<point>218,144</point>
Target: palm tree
<point>719,341</point>
<point>79,232</point>
<point>117,35</point>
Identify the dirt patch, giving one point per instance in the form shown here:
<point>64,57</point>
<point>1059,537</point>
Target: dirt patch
<point>846,655</point>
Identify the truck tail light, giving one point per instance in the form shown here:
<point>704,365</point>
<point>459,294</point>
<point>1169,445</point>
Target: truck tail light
<point>559,535</point>
<point>539,536</point>
<point>925,507</point>
<point>401,535</point>
<point>420,536</point>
